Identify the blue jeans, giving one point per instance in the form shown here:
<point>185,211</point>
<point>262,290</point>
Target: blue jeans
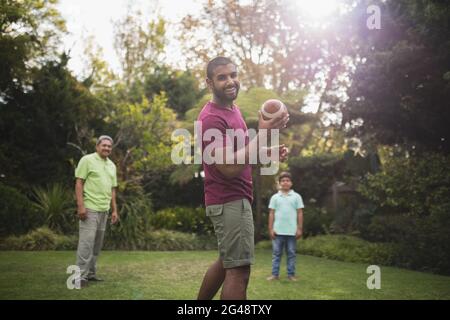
<point>278,245</point>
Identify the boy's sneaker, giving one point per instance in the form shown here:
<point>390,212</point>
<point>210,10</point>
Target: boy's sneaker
<point>272,278</point>
<point>292,278</point>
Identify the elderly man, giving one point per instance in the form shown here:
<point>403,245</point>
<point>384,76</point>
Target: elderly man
<point>95,189</point>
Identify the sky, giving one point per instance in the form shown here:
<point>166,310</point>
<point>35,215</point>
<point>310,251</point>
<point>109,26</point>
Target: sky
<point>86,18</point>
<point>95,18</point>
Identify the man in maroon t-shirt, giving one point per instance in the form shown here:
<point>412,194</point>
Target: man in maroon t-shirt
<point>228,185</point>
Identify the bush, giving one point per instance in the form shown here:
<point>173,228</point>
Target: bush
<point>183,219</point>
<point>17,215</point>
<point>413,210</point>
<point>423,242</point>
<point>40,239</point>
<point>64,243</point>
<point>315,221</point>
<point>135,213</point>
<point>161,240</point>
<point>57,204</point>
<point>316,174</point>
<point>348,248</point>
<point>417,185</point>
<point>344,248</point>
<point>167,240</point>
<point>363,217</point>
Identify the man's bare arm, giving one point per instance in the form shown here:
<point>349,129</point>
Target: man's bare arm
<point>79,185</point>
<point>299,232</point>
<point>234,169</point>
<point>271,220</point>
<point>114,215</point>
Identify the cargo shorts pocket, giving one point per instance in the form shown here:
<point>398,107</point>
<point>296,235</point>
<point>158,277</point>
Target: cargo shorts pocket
<point>215,213</point>
<point>214,210</point>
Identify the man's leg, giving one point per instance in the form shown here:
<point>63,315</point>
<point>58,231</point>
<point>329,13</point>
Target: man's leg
<point>235,284</point>
<point>212,281</point>
<point>233,225</point>
<point>102,218</point>
<point>85,251</point>
<point>290,249</point>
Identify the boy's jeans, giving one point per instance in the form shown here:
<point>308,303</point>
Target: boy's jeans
<point>278,245</point>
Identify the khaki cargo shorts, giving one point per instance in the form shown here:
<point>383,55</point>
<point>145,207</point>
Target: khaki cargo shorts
<point>233,225</point>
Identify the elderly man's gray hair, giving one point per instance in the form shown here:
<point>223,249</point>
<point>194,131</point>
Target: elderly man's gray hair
<point>104,137</point>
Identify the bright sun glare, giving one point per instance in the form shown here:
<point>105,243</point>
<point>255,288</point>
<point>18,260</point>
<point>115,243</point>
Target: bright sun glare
<point>317,9</point>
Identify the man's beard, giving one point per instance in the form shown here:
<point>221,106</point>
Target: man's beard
<point>223,96</point>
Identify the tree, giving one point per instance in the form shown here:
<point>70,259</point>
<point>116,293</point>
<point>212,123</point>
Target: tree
<point>142,138</point>
<point>139,44</point>
<point>29,33</point>
<point>181,87</point>
<point>40,127</point>
<point>275,46</point>
<point>400,91</point>
<point>98,75</point>
<point>270,41</point>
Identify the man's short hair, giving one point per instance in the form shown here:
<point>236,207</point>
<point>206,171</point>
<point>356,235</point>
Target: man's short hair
<point>284,174</point>
<point>214,63</point>
<point>104,137</point>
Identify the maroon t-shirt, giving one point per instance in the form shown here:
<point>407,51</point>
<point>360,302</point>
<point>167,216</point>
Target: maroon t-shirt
<point>218,188</point>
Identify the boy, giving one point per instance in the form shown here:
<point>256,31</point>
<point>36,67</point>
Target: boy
<point>285,225</point>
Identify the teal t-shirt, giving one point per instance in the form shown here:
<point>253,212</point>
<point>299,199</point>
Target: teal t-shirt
<point>99,177</point>
<point>285,206</point>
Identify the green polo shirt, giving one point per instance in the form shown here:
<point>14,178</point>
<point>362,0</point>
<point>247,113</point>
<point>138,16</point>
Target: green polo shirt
<point>285,206</point>
<point>99,177</point>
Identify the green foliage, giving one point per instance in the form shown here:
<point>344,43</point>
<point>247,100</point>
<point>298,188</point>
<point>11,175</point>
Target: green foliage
<point>419,185</point>
<point>399,89</point>
<point>348,248</point>
<point>174,186</point>
<point>344,248</point>
<point>57,204</point>
<point>135,211</point>
<point>40,239</point>
<point>315,221</point>
<point>183,219</point>
<point>413,244</point>
<point>413,210</point>
<point>313,176</point>
<point>169,240</point>
<point>144,136</point>
<point>38,125</point>
<point>423,242</point>
<point>363,216</point>
<point>28,31</point>
<point>181,87</point>
<point>17,215</point>
<point>43,239</point>
<point>139,45</point>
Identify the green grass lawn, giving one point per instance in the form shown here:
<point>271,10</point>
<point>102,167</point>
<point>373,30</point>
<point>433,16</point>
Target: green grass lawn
<point>177,275</point>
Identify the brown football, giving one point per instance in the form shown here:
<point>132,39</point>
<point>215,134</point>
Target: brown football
<point>272,108</point>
